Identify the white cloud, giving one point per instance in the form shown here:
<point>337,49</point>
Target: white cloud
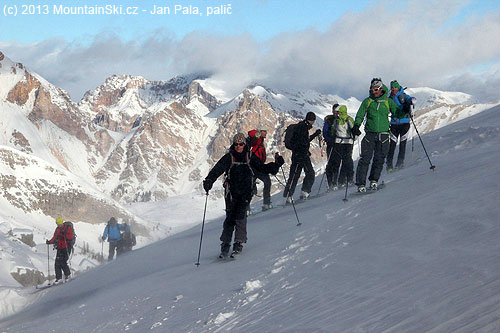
<point>419,43</point>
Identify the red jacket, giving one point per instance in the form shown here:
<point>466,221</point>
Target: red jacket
<point>58,237</point>
<point>257,145</point>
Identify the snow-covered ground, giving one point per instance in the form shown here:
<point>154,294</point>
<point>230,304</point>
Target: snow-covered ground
<point>420,255</point>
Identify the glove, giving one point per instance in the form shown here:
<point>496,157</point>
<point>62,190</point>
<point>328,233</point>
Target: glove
<point>103,238</point>
<point>207,185</point>
<point>355,130</point>
<point>47,242</point>
<point>279,160</point>
<point>318,132</point>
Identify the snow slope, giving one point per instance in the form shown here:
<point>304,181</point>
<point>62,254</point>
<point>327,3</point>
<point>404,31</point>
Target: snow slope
<point>420,255</point>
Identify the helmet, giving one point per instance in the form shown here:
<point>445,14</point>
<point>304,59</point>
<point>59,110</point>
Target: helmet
<point>59,221</point>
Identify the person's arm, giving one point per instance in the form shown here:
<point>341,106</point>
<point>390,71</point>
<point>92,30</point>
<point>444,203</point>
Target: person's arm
<point>360,115</point>
<point>220,167</point>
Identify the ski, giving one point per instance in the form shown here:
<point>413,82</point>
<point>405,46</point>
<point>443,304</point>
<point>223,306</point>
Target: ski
<point>370,191</point>
<point>53,284</point>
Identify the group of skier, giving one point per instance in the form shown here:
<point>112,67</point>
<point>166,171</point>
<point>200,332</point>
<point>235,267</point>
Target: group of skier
<point>119,236</point>
<point>246,157</point>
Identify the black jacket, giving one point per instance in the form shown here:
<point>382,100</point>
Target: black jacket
<point>301,140</point>
<point>239,172</point>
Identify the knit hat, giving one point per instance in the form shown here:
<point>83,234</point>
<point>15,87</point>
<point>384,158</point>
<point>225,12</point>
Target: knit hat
<point>240,137</point>
<point>310,116</point>
<point>376,82</point>
<point>395,84</point>
<point>59,221</point>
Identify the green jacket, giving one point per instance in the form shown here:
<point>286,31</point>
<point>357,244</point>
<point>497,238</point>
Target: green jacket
<point>376,111</point>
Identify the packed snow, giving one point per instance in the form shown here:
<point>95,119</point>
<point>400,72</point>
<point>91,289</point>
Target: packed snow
<point>420,255</point>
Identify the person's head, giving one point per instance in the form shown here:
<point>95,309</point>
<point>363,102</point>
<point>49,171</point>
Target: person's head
<point>334,107</point>
<point>342,111</point>
<point>239,142</point>
<point>310,118</point>
<point>112,220</point>
<point>263,133</point>
<point>395,87</point>
<point>376,87</point>
<point>59,221</point>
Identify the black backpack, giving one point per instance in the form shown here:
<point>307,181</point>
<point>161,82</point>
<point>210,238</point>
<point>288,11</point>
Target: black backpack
<point>289,134</point>
<point>70,243</point>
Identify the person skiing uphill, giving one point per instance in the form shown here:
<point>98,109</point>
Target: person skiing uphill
<point>375,109</point>
<point>400,125</point>
<point>62,237</point>
<point>337,134</point>
<point>300,143</point>
<point>112,232</point>
<point>238,165</point>
<point>257,146</point>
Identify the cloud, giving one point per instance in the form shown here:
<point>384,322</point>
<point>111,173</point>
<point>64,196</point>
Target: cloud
<point>419,43</point>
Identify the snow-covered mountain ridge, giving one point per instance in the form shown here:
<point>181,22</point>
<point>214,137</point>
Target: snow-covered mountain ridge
<point>420,255</point>
<point>136,140</point>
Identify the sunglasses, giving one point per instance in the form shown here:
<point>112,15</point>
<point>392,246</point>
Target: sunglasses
<point>376,89</point>
<point>239,144</point>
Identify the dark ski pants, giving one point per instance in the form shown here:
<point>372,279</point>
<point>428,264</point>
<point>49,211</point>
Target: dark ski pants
<point>339,153</point>
<point>398,131</point>
<point>304,162</point>
<point>236,220</point>
<point>266,179</point>
<point>113,245</point>
<point>373,145</point>
<point>61,264</point>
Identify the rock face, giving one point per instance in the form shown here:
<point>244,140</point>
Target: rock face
<point>141,140</point>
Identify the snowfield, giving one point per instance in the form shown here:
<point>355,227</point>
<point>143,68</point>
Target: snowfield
<point>420,255</point>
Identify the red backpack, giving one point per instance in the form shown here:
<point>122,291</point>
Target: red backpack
<point>256,145</point>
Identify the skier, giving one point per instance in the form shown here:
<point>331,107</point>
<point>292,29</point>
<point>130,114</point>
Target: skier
<point>112,233</point>
<point>62,237</point>
<point>127,241</point>
<point>258,149</point>
<point>400,125</point>
<point>376,109</point>
<point>300,143</point>
<point>339,139</point>
<point>238,165</point>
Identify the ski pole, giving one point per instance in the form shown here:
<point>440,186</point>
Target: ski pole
<point>202,227</point>
<point>102,251</point>
<point>423,146</point>
<point>293,203</point>
<point>48,263</point>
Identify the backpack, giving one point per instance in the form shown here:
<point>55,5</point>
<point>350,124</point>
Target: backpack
<point>289,134</point>
<point>238,178</point>
<point>69,242</point>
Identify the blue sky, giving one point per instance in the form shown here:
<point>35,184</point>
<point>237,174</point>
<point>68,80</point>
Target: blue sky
<point>330,46</point>
<point>263,19</point>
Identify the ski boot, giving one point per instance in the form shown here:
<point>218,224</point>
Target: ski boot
<point>373,185</point>
<point>362,188</point>
<point>237,248</point>
<point>304,195</point>
<point>266,207</point>
<point>224,250</point>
